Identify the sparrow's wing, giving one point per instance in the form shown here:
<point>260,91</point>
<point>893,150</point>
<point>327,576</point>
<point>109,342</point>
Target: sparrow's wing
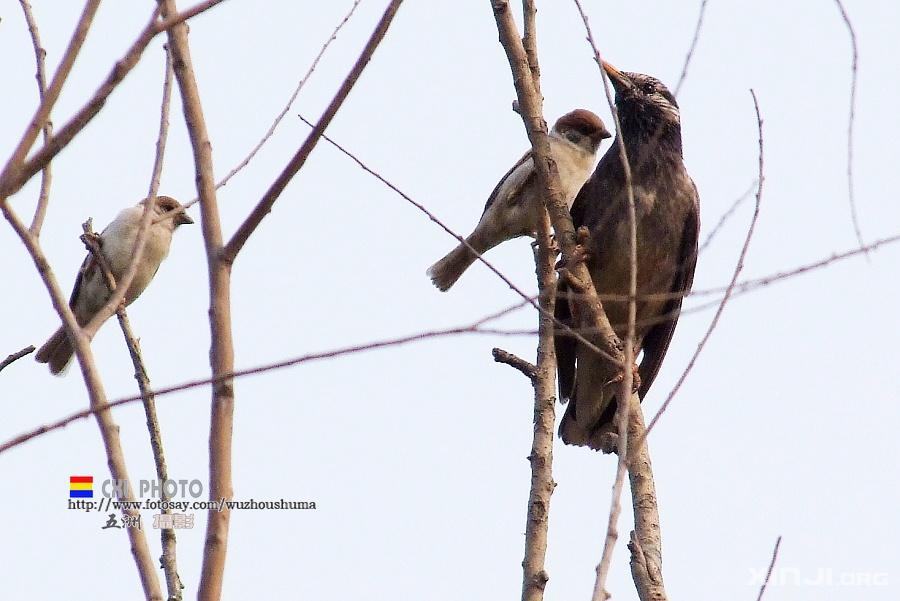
<point>656,341</point>
<point>85,272</point>
<point>512,181</point>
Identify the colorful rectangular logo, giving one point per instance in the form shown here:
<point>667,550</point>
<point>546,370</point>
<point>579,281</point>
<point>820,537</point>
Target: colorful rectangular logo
<point>81,487</point>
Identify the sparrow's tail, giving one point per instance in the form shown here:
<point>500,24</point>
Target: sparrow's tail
<point>445,272</point>
<point>57,352</point>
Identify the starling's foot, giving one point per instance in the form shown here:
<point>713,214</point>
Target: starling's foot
<point>635,378</point>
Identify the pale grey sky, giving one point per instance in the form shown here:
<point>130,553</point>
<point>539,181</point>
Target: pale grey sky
<point>415,455</point>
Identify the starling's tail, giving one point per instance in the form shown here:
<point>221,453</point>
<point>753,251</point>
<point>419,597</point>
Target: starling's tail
<point>57,351</point>
<point>599,436</point>
<point>445,272</point>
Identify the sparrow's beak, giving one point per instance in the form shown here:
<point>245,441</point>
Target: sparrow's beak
<point>183,218</point>
<point>619,80</point>
<point>604,133</point>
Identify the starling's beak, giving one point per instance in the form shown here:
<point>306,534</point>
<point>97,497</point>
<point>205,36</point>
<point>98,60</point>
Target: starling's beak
<point>619,80</point>
<point>183,218</point>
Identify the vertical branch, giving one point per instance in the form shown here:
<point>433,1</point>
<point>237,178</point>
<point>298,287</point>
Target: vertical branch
<point>646,540</point>
<point>222,347</point>
<point>534,577</point>
<point>850,119</point>
<point>529,42</point>
<point>167,535</point>
<point>630,403</point>
<point>40,56</point>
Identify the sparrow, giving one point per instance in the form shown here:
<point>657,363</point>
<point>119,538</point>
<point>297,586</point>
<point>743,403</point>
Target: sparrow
<point>668,221</point>
<point>514,206</point>
<point>117,242</point>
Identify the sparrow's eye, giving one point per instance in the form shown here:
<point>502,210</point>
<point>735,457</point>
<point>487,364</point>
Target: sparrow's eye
<point>573,136</point>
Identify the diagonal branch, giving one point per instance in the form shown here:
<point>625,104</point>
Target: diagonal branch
<point>16,174</point>
<point>99,406</point>
<point>264,206</point>
<point>50,96</point>
<point>278,118</point>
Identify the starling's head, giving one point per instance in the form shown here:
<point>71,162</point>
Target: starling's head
<point>646,107</point>
<point>582,128</point>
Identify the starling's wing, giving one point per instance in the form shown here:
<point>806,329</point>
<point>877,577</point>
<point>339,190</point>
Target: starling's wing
<point>656,341</point>
<point>566,346</point>
<point>512,182</point>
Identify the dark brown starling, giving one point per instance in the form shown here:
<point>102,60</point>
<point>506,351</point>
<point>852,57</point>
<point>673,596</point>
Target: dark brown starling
<point>668,221</point>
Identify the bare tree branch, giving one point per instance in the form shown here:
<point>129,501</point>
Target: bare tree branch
<point>725,217</point>
<point>16,174</point>
<point>221,355</point>
<point>16,356</point>
<point>734,277</point>
<point>109,431</point>
<point>168,560</point>
<point>40,55</point>
<point>762,589</point>
<point>690,52</point>
<point>264,206</point>
<point>473,328</point>
<point>92,243</point>
<point>528,369</point>
<point>271,131</point>
<point>850,121</point>
<point>534,575</point>
<point>630,402</point>
<point>49,98</point>
<point>645,542</point>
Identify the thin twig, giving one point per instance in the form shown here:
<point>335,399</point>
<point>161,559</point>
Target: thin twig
<point>40,56</point>
<point>690,53</point>
<point>762,589</point>
<point>16,356</point>
<point>532,300</point>
<point>734,276</point>
<point>622,415</point>
<point>850,121</point>
<point>168,560</point>
<point>472,328</point>
<point>287,107</point>
<point>726,216</point>
<point>264,206</point>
